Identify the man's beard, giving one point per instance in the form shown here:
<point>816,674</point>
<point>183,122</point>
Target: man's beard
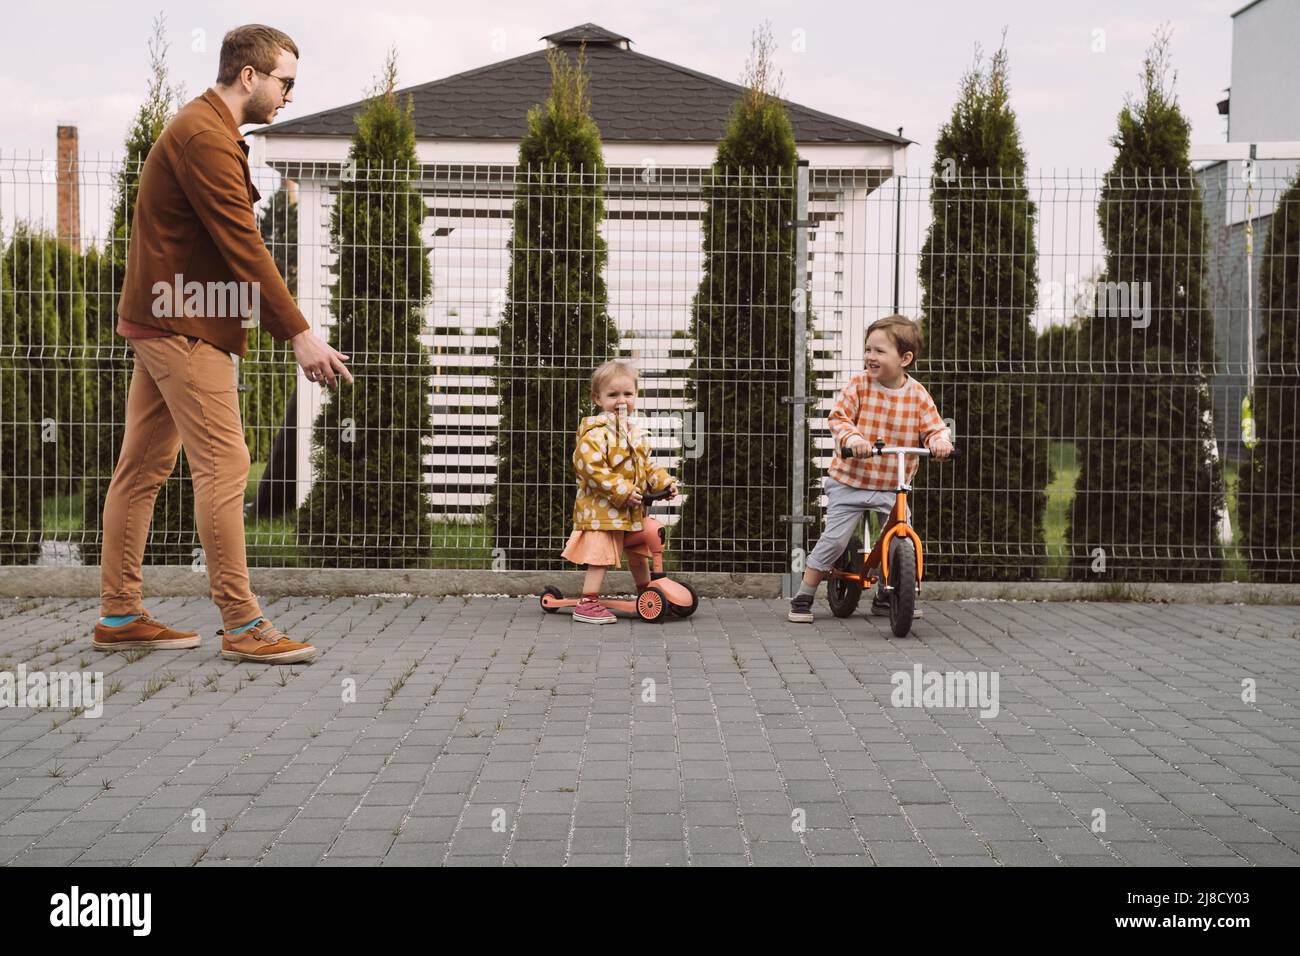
<point>260,109</point>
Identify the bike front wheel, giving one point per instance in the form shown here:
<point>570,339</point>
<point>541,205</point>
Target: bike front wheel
<point>902,576</point>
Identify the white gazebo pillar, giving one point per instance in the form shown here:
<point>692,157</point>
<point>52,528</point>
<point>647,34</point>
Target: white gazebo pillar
<point>314,286</point>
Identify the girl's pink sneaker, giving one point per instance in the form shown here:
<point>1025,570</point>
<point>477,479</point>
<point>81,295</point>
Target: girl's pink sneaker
<point>589,611</point>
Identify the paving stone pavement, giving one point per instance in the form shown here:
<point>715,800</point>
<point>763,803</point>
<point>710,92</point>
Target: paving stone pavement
<point>485,732</point>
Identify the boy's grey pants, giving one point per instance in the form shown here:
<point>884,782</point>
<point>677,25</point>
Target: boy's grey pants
<point>845,506</point>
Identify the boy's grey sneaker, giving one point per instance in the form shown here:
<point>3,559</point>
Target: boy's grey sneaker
<point>801,609</point>
<point>880,608</point>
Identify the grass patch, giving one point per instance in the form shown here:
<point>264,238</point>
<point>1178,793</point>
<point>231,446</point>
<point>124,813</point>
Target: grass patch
<point>1234,561</point>
<point>1063,457</point>
<point>461,545</point>
<point>255,470</point>
<point>399,682</point>
<point>61,515</point>
<point>156,683</point>
<point>1064,460</point>
<point>273,543</point>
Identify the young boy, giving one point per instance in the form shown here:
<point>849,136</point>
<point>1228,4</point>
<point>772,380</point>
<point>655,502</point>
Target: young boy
<point>882,401</point>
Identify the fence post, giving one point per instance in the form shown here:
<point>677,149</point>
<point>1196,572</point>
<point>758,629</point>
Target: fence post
<point>799,305</point>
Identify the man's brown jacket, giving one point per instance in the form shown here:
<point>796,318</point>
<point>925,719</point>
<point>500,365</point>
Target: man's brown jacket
<point>197,262</point>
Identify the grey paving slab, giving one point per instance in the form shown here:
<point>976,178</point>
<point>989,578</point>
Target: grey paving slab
<point>520,738</point>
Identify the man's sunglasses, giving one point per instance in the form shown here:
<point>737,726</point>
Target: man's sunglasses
<point>286,82</point>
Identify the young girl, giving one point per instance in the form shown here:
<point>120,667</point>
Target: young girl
<point>612,466</point>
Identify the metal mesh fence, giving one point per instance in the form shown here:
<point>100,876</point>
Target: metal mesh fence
<point>1088,339</point>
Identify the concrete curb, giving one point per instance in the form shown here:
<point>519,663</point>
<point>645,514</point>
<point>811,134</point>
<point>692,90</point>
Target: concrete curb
<point>83,582</point>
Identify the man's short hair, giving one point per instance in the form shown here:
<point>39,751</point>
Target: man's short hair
<point>902,331</point>
<point>253,45</point>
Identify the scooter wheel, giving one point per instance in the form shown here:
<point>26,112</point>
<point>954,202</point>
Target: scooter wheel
<point>550,591</point>
<point>690,608</point>
<point>650,604</point>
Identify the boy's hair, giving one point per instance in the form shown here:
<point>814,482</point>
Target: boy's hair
<point>252,45</point>
<point>609,371</point>
<point>902,331</point>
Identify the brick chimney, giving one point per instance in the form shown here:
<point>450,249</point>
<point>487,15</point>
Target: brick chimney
<point>68,177</point>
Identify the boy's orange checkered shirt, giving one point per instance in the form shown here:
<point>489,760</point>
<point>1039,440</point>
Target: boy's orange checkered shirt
<point>902,416</point>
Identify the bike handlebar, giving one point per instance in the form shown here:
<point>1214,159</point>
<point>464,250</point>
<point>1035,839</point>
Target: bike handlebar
<point>881,449</point>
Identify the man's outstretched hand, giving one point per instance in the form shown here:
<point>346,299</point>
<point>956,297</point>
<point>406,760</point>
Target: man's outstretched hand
<point>319,360</point>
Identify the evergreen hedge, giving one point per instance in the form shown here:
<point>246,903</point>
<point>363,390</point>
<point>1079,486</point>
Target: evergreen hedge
<point>173,536</point>
<point>981,515</point>
<point>369,502</point>
<point>742,323</point>
<point>1150,487</point>
<point>556,327</point>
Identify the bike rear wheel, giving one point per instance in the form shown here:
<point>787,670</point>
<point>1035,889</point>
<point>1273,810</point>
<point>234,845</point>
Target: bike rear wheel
<point>902,576</point>
<point>842,593</point>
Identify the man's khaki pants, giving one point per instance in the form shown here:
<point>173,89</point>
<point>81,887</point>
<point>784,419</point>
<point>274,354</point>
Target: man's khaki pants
<point>182,393</point>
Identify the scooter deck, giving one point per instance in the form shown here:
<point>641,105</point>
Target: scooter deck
<point>627,606</point>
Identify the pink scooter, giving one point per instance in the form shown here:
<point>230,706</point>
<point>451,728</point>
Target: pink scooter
<point>654,601</point>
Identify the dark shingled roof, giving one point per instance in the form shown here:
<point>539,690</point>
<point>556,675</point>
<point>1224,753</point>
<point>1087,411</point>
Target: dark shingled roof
<point>633,97</point>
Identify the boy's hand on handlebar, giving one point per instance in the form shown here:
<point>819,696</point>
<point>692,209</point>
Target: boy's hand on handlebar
<point>634,499</point>
<point>672,490</point>
<point>858,447</point>
<point>940,448</point>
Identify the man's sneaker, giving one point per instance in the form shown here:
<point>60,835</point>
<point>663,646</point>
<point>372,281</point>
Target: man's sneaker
<point>593,612</point>
<point>143,632</point>
<point>801,609</point>
<point>263,643</point>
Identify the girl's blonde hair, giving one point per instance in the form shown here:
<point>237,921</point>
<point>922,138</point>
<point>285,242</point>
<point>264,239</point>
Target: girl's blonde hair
<point>609,372</point>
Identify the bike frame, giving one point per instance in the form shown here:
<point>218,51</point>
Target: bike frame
<point>895,526</point>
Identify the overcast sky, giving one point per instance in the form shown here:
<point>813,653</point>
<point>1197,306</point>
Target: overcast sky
<point>883,64</point>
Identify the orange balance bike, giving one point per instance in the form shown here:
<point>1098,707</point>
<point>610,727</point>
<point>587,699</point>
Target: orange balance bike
<point>896,555</point>
<point>656,600</point>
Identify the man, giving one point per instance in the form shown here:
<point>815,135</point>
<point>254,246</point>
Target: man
<point>194,223</point>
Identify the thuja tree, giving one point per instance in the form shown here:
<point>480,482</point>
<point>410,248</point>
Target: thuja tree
<point>369,503</point>
<point>42,312</point>
<point>174,537</point>
<point>1150,488</point>
<point>1268,502</point>
<point>979,288</point>
<point>555,327</point>
<point>20,496</point>
<point>742,322</point>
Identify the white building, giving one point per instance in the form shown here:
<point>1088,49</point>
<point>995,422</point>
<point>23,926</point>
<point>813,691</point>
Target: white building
<point>660,124</point>
<point>1263,122</point>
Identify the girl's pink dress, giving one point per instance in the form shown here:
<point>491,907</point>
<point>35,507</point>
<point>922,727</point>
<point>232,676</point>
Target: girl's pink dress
<point>601,548</point>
